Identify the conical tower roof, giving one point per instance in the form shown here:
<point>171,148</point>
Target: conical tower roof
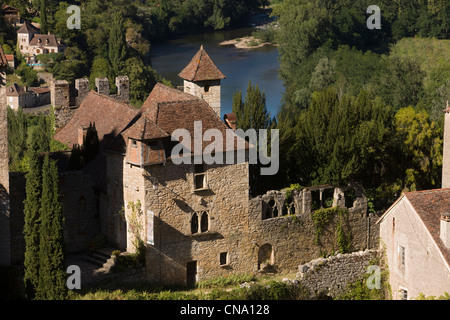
<point>201,68</point>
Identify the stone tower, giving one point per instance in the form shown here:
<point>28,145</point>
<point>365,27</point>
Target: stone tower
<point>446,151</point>
<point>5,224</point>
<point>202,79</point>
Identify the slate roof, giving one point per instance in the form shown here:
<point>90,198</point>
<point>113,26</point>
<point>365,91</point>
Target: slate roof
<point>429,205</point>
<point>201,68</point>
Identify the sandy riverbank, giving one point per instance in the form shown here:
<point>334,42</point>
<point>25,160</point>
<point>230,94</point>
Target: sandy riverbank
<point>246,43</point>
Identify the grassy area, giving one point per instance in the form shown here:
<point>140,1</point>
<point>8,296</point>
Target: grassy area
<point>221,288</point>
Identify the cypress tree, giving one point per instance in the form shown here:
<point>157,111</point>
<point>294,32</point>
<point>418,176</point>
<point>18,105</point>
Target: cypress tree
<point>52,283</point>
<point>117,44</point>
<point>43,15</point>
<point>31,225</point>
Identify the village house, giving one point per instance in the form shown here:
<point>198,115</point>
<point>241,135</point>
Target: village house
<point>415,233</point>
<point>31,43</point>
<point>27,97</point>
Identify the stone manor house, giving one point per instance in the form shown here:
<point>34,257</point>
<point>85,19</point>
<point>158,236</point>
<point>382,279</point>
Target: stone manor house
<point>197,221</point>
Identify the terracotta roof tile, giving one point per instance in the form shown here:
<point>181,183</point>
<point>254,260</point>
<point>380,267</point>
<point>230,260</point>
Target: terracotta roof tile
<point>163,93</point>
<point>429,205</point>
<point>44,40</point>
<point>109,115</point>
<point>201,68</point>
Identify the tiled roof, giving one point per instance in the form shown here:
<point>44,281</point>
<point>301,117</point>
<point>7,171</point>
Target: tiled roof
<point>201,68</point>
<point>429,205</point>
<point>15,90</point>
<point>109,115</point>
<point>144,129</point>
<point>46,40</point>
<point>173,115</point>
<point>163,93</point>
<point>27,28</point>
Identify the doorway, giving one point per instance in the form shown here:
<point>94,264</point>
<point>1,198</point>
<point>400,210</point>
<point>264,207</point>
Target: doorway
<point>191,274</point>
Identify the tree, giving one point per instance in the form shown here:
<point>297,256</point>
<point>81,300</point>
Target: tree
<point>117,44</point>
<point>17,138</point>
<point>421,149</point>
<point>252,114</point>
<point>52,283</point>
<point>32,225</point>
<point>43,15</point>
<point>344,139</point>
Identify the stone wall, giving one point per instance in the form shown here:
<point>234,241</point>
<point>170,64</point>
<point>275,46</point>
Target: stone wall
<point>66,101</point>
<point>219,250</point>
<point>287,228</point>
<point>331,276</point>
<point>81,214</point>
<point>5,250</point>
<point>206,90</point>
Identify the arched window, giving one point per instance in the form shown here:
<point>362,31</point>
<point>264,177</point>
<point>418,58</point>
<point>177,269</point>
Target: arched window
<point>204,222</point>
<point>194,223</point>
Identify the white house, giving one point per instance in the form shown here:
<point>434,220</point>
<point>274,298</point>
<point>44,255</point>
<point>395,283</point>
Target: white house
<point>415,231</point>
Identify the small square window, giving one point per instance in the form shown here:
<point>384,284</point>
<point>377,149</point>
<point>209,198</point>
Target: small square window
<point>223,258</point>
<point>207,88</point>
<point>134,143</point>
<point>200,181</point>
<point>403,294</point>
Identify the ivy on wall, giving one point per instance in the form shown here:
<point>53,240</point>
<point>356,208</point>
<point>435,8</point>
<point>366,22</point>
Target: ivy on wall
<point>322,216</point>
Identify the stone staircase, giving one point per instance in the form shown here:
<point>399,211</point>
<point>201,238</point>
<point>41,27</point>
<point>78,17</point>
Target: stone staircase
<point>101,258</point>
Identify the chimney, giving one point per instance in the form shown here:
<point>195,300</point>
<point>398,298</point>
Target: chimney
<point>445,229</point>
<point>82,130</point>
<point>446,150</point>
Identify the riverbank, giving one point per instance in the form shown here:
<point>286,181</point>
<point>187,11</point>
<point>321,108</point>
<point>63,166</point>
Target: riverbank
<point>249,42</point>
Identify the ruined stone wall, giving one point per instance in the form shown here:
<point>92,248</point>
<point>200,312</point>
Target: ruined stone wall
<point>332,275</point>
<point>287,229</point>
<point>66,101</point>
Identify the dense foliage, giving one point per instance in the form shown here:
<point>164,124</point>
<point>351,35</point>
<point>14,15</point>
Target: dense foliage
<point>363,104</point>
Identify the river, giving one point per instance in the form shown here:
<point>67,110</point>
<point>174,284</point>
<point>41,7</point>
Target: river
<point>260,66</point>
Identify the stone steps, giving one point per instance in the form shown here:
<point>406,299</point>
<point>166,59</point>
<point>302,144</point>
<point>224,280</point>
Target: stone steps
<point>101,258</point>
